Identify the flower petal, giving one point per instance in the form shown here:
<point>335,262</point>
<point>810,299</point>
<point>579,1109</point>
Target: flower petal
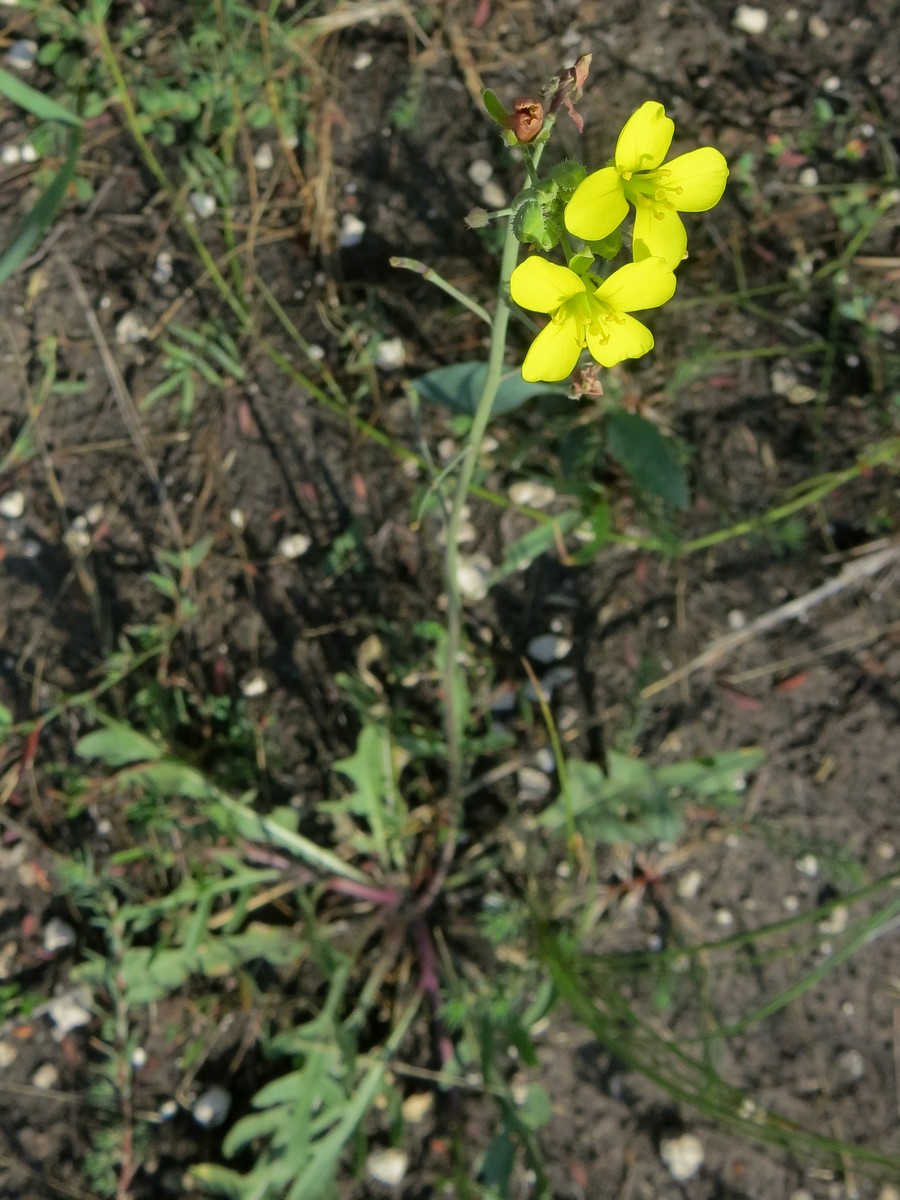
<point>645,284</point>
<point>598,206</point>
<point>659,233</point>
<point>645,139</point>
<point>698,179</point>
<point>543,286</point>
<point>553,354</point>
<point>627,338</point>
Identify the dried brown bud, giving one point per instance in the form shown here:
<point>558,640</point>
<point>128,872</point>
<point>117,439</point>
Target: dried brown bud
<point>526,119</point>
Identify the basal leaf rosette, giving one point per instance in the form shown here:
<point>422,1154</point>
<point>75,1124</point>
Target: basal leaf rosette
<point>587,315</point>
<point>658,190</point>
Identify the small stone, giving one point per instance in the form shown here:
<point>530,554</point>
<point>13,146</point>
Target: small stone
<point>236,519</point>
<point>12,505</point>
<point>493,195</point>
<point>790,903</point>
<point>138,1058</point>
<point>724,918</point>
<point>547,648</point>
<point>28,153</point>
<point>363,60</point>
<point>162,268</point>
<point>736,619</point>
<point>532,495</point>
<point>809,177</point>
<point>417,1106</point>
<point>889,1192</point>
<point>885,851</point>
<point>293,545</point>
<point>545,760</point>
<point>391,354</point>
<point>58,935</point>
<point>69,1012</point>
<point>45,1077</point>
<point>480,172</point>
<point>254,686</point>
<point>211,1109</point>
<point>689,885</point>
<point>818,27</point>
<point>264,158</point>
<point>21,54</point>
<point>387,1167</point>
<point>836,921</point>
<point>808,865</point>
<point>446,449</point>
<point>682,1155</point>
<point>316,352</point>
<point>352,230</point>
<point>8,1054</point>
<point>472,576</point>
<point>851,1066</point>
<point>77,541</point>
<point>94,513</point>
<point>749,19</point>
<point>831,84</point>
<point>167,1110</point>
<point>801,393</point>
<point>10,155</point>
<point>130,328</point>
<point>203,204</point>
<point>782,379</point>
<point>549,682</point>
<point>533,784</point>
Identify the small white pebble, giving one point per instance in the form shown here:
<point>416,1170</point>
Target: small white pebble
<point>533,784</point>
<point>130,328</point>
<point>480,172</point>
<point>10,155</point>
<point>724,917</point>
<point>885,851</point>
<point>493,195</point>
<point>138,1057</point>
<point>254,686</point>
<point>236,519</point>
<point>832,83</point>
<point>472,575</point>
<point>736,619</point>
<point>549,682</point>
<point>809,177</point>
<point>203,204</point>
<point>68,1012</point>
<point>28,153</point>
<point>352,230</point>
<point>808,865</point>
<point>316,352</point>
<point>211,1109</point>
<point>94,513</point>
<point>264,158</point>
<point>547,648</point>
<point>8,1053</point>
<point>818,27</point>
<point>387,1167</point>
<point>749,19</point>
<point>162,268</point>
<point>682,1155</point>
<point>45,1077</point>
<point>545,760</point>
<point>790,903</point>
<point>532,495</point>
<point>77,540</point>
<point>12,505</point>
<point>58,935</point>
<point>167,1110</point>
<point>851,1065</point>
<point>689,885</point>
<point>293,545</point>
<point>417,1106</point>
<point>889,1192</point>
<point>391,354</point>
<point>21,54</point>
<point>362,61</point>
<point>836,921</point>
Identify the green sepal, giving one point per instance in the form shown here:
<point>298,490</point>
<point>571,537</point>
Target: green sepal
<point>531,222</point>
<point>495,109</point>
<point>607,247</point>
<point>581,262</point>
<point>567,175</point>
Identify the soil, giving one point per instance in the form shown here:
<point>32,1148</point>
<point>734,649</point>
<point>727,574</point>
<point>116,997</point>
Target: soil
<point>816,91</point>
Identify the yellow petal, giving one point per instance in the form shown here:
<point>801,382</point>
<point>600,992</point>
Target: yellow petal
<point>645,284</point>
<point>627,338</point>
<point>645,139</point>
<point>659,233</point>
<point>553,354</point>
<point>543,286</point>
<point>696,181</point>
<point>598,206</point>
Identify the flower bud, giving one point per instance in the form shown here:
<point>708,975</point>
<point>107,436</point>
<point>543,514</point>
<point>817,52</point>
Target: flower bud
<point>525,120</point>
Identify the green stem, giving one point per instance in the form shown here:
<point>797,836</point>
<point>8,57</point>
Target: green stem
<point>452,671</point>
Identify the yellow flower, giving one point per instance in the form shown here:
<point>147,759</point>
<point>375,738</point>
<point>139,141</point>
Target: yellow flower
<point>587,316</point>
<point>693,182</point>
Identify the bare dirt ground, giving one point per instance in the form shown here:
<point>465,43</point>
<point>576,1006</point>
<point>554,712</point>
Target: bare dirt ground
<point>819,695</point>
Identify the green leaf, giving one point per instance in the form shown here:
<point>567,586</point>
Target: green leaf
<point>536,1109</point>
<point>35,102</point>
<point>531,545</point>
<point>32,228</point>
<point>647,457</point>
<point>459,387</point>
<point>118,745</point>
<point>6,720</point>
<point>495,109</point>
